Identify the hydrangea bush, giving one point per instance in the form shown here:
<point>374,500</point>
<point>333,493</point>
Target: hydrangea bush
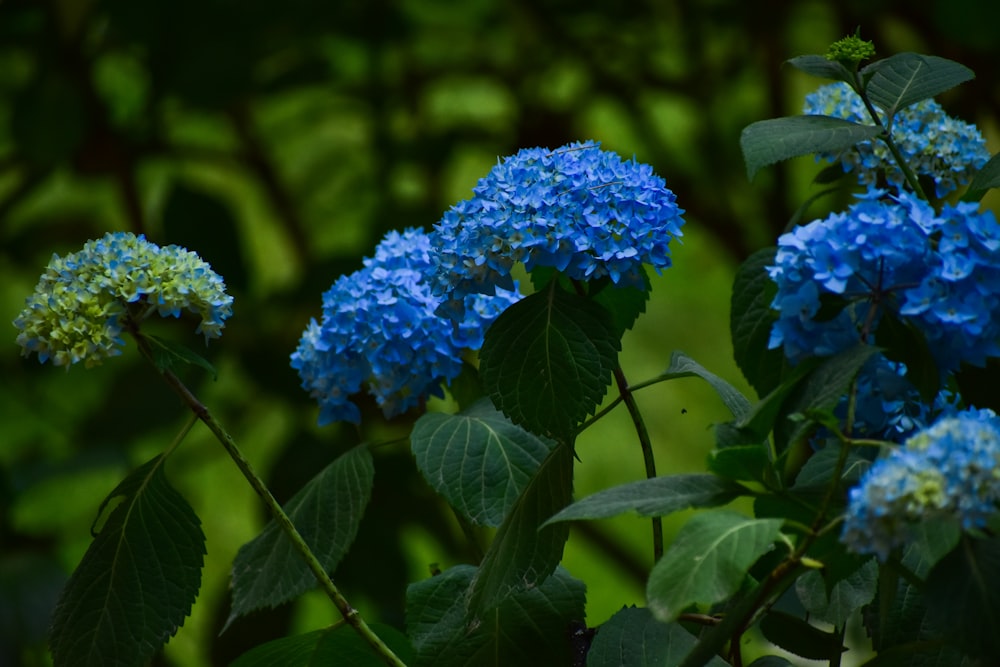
<point>874,487</point>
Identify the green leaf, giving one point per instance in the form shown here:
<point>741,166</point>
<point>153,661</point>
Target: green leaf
<point>963,597</point>
<point>824,388</point>
<point>624,302</point>
<point>268,571</point>
<point>547,361</point>
<point>906,78</point>
<point>902,341</point>
<point>653,497</point>
<point>746,462</point>
<point>337,645</point>
<point>167,355</point>
<point>522,553</point>
<point>478,460</point>
<point>633,638</point>
<point>768,141</point>
<point>930,540</point>
<point>682,366</point>
<point>821,67</point>
<point>137,580</point>
<point>845,597</point>
<point>771,661</point>
<point>528,628</point>
<point>985,179</point>
<point>799,637</point>
<point>707,561</point>
<point>817,473</point>
<point>750,321</point>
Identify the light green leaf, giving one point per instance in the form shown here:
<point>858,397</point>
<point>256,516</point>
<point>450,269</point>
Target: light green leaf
<point>522,555</point>
<point>547,360</point>
<point>478,460</point>
<point>768,141</point>
<point>337,645</point>
<point>906,78</point>
<point>707,561</point>
<point>682,366</point>
<point>528,628</point>
<point>326,511</point>
<point>653,497</point>
<point>137,581</point>
<point>633,638</point>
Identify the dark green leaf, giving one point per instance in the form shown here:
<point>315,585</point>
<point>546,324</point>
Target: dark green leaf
<point>963,597</point>
<point>902,341</point>
<point>750,321</point>
<point>478,460</point>
<point>528,628</point>
<point>821,67</point>
<point>547,361</point>
<point>708,561</point>
<point>931,540</point>
<point>653,497</point>
<point>682,366</point>
<point>817,473</point>
<point>771,661</point>
<point>624,302</point>
<point>846,596</point>
<point>747,462</point>
<point>337,645</point>
<point>906,78</point>
<point>137,581</point>
<point>168,354</point>
<point>985,179</point>
<point>522,555</point>
<point>768,141</point>
<point>326,511</point>
<point>633,638</point>
<point>799,637</point>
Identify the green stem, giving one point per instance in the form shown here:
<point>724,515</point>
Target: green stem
<point>647,452</point>
<point>350,614</point>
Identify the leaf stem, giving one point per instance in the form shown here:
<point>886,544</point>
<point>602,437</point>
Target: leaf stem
<point>350,614</point>
<point>647,452</point>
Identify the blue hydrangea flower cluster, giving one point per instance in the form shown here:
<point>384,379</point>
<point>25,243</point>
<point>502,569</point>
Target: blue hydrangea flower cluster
<point>939,271</point>
<point>77,311</point>
<point>934,144</point>
<point>950,470</point>
<point>578,209</point>
<point>380,331</point>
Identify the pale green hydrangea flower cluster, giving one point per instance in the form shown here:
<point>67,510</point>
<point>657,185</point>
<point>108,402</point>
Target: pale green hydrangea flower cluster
<point>77,312</point>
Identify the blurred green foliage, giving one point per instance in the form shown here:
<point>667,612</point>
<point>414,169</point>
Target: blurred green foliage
<point>280,141</point>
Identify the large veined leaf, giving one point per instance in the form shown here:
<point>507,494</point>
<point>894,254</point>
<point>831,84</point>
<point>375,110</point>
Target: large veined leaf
<point>137,581</point>
<point>750,322</point>
<point>768,141</point>
<point>337,645</point>
<point>653,497</point>
<point>522,555</point>
<point>547,360</point>
<point>326,511</point>
<point>528,628</point>
<point>478,460</point>
<point>634,638</point>
<point>906,78</point>
<point>707,561</point>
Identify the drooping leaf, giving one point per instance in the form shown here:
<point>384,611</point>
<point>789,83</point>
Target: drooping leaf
<point>963,597</point>
<point>822,67</point>
<point>898,81</point>
<point>682,366</point>
<point>768,141</point>
<point>707,561</point>
<point>268,571</point>
<point>167,355</point>
<point>337,645</point>
<point>985,179</point>
<point>547,360</point>
<point>522,554</point>
<point>633,638</point>
<point>528,628</point>
<point>653,497</point>
<point>845,597</point>
<point>478,460</point>
<point>799,637</point>
<point>750,322</point>
<point>136,582</point>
